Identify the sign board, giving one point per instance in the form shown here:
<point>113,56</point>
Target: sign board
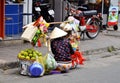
<point>113,16</point>
<point>114,2</point>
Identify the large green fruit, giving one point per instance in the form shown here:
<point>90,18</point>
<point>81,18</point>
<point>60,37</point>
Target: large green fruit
<point>19,55</point>
<point>33,58</point>
<point>22,57</point>
<point>27,57</point>
<point>22,52</point>
<point>26,53</point>
<point>30,55</point>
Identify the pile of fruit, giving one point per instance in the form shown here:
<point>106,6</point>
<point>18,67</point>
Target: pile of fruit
<point>29,54</point>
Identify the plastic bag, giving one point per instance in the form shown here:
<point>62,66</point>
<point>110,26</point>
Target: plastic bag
<point>50,62</point>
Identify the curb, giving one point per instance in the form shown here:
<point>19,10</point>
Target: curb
<point>15,64</point>
<point>10,42</point>
<point>9,65</point>
<point>100,50</point>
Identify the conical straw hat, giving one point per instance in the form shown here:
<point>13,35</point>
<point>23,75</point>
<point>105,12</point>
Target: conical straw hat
<point>56,33</point>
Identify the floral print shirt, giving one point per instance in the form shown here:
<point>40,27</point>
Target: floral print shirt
<point>62,49</point>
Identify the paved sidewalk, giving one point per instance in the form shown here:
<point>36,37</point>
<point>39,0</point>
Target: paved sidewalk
<point>9,50</point>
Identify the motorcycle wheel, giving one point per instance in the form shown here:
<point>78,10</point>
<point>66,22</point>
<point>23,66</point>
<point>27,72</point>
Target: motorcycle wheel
<point>93,30</point>
<point>115,27</point>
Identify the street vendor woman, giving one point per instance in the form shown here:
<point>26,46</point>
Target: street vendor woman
<point>60,46</point>
<point>63,51</point>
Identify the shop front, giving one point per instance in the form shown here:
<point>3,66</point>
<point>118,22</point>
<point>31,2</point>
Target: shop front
<point>26,13</point>
<point>23,14</point>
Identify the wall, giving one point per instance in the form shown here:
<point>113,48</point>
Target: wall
<point>27,10</point>
<point>59,8</point>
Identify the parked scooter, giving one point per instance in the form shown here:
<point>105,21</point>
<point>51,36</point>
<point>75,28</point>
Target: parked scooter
<point>90,21</point>
<point>44,10</point>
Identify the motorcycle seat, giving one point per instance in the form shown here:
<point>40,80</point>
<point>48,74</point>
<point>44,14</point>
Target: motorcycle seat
<point>90,12</point>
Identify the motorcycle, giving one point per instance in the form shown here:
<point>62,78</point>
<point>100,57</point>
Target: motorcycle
<point>90,20</point>
<point>44,10</point>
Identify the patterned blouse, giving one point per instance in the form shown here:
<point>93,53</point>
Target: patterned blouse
<point>62,49</point>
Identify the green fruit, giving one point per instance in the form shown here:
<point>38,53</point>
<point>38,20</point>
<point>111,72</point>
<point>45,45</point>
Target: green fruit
<point>30,55</point>
<point>33,58</point>
<point>22,57</point>
<point>34,55</point>
<point>34,52</point>
<point>22,52</point>
<point>25,53</point>
<point>19,55</point>
<point>27,57</point>
<point>40,54</point>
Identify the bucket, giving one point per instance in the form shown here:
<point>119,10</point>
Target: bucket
<point>36,69</point>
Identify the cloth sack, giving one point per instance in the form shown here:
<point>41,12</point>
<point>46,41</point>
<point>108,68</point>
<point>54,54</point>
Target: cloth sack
<point>29,33</point>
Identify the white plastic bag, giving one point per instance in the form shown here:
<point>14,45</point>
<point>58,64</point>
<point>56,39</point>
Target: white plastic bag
<point>50,62</point>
